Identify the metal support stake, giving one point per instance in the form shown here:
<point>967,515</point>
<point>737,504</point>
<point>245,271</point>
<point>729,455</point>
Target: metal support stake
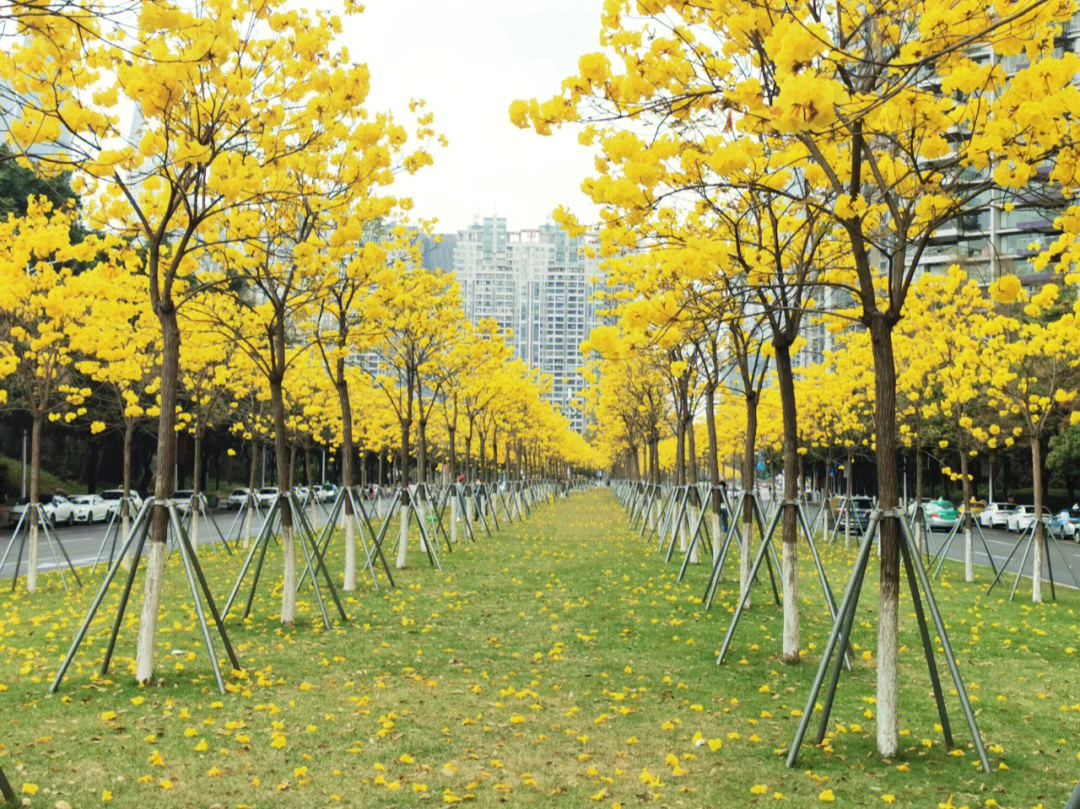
<point>847,607</point>
<point>762,553</point>
<point>259,545</point>
<point>320,565</point>
<point>950,659</point>
<point>95,605</point>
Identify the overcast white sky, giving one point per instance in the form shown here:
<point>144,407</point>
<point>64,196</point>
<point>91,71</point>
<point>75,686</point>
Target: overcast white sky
<point>469,59</point>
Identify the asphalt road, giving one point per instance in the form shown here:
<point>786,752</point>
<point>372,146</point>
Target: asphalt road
<point>84,542</point>
<point>1001,543</point>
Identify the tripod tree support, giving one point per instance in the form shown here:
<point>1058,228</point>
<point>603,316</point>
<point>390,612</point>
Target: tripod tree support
<point>370,552</point>
<point>34,512</point>
<point>6,792</point>
<point>1074,799</point>
<point>313,561</point>
<point>766,542</point>
<point>1029,537</point>
<point>735,531</point>
<point>200,592</point>
<point>841,633</point>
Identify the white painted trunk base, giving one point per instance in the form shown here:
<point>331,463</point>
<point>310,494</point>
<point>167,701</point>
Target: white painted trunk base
<point>1037,572</point>
<point>125,532</point>
<point>148,620</point>
<point>791,602</point>
<point>32,563</point>
<point>888,739</point>
<point>195,523</point>
<point>403,538</point>
<point>350,556</point>
<point>969,554</point>
<point>745,560</point>
<point>691,522</point>
<point>288,593</point>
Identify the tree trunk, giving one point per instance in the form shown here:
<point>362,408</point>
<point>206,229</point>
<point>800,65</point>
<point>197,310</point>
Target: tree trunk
<point>695,504</point>
<point>1040,533</point>
<point>166,448</point>
<point>969,545</point>
<point>403,539</point>
<point>421,450</point>
<point>281,458</point>
<point>347,480</point>
<point>920,523</point>
<point>888,494</point>
<point>786,383</point>
<point>196,488</point>
<point>680,477</point>
<point>450,431</point>
<point>125,504</point>
<point>848,485</point>
<point>468,455</point>
<point>253,472</point>
<point>32,511</point>
<point>749,446</point>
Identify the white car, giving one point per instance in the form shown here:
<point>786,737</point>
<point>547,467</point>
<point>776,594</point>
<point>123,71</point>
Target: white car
<point>114,496</point>
<point>303,494</point>
<point>236,498</point>
<point>266,495</point>
<point>995,515</point>
<point>56,507</point>
<point>1021,519</point>
<point>89,508</point>
<point>326,492</point>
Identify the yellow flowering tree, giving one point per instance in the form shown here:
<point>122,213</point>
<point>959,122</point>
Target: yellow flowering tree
<point>43,305</point>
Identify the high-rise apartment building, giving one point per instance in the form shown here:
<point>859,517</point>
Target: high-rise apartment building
<point>538,284</point>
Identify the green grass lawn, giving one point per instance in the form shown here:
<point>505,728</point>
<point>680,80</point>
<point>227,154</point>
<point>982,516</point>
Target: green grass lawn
<point>557,663</point>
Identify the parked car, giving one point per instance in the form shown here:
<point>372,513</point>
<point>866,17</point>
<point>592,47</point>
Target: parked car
<point>182,498</point>
<point>236,498</point>
<point>114,496</point>
<point>89,508</point>
<point>326,492</point>
<point>995,515</point>
<point>940,513</point>
<point>266,495</point>
<point>860,511</point>
<point>1021,519</point>
<point>56,508</point>
<point>1066,523</point>
<point>303,493</point>
<point>977,507</point>
<point>60,510</point>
